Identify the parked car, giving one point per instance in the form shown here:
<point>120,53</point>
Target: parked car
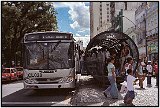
<point>20,72</point>
<point>9,74</point>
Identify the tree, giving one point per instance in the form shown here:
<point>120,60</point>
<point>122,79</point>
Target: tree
<point>19,18</point>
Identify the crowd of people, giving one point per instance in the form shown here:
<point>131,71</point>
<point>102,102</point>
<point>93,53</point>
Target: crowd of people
<point>122,63</point>
<point>143,70</point>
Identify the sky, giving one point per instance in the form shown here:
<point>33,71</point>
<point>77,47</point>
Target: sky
<point>74,17</point>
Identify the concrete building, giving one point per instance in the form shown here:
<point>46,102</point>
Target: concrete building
<point>140,15</point>
<point>131,32</point>
<point>152,30</point>
<point>103,13</point>
<point>124,12</point>
<point>80,43</point>
<point>128,19</point>
<point>130,6</point>
<point>100,17</point>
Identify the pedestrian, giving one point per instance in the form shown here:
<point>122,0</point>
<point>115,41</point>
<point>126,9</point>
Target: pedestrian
<point>112,89</point>
<point>140,74</point>
<point>130,95</point>
<point>82,62</point>
<point>128,65</point>
<point>156,73</point>
<point>149,74</point>
<point>143,64</point>
<point>124,54</point>
<point>77,62</point>
<point>100,62</point>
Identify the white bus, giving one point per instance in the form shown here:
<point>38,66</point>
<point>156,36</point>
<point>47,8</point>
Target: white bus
<point>49,60</point>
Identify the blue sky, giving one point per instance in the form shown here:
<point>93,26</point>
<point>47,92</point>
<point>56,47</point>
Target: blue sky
<point>74,17</point>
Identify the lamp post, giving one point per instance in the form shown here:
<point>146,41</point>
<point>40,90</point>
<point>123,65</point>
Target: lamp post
<point>140,30</point>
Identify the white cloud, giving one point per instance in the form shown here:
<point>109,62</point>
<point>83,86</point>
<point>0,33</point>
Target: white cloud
<point>79,14</point>
<point>74,25</point>
<point>78,34</point>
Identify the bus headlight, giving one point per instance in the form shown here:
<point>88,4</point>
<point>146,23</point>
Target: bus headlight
<point>31,81</point>
<point>66,79</point>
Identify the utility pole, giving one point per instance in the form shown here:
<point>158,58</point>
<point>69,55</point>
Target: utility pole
<point>145,37</point>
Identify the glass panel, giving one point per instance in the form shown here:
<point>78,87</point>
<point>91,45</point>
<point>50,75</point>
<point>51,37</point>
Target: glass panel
<point>48,55</point>
<point>113,42</point>
<point>58,55</point>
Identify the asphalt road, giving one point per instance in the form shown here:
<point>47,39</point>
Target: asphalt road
<point>87,93</point>
<point>23,97</point>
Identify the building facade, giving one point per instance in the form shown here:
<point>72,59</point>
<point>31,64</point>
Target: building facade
<point>130,6</point>
<point>100,17</point>
<point>140,15</point>
<point>80,43</point>
<point>124,15</point>
<point>152,30</point>
<point>131,32</point>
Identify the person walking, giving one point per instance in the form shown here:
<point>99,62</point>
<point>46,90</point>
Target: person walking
<point>140,74</point>
<point>130,95</point>
<point>156,74</point>
<point>112,89</point>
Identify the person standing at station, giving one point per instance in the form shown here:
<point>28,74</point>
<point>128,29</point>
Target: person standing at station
<point>100,62</point>
<point>82,62</point>
<point>149,69</point>
<point>124,55</point>
<point>128,65</point>
<point>112,89</point>
<point>156,74</point>
<point>140,74</point>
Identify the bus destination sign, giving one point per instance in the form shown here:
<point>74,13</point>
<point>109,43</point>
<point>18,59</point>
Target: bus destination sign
<point>49,36</point>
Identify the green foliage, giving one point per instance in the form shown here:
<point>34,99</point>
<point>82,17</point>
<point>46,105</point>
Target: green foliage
<point>19,18</point>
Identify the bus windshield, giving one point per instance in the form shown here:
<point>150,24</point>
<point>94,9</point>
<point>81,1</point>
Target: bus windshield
<point>48,55</point>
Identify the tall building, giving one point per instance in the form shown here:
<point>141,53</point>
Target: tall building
<point>152,30</point>
<point>140,15</point>
<point>108,15</point>
<point>124,15</point>
<point>130,6</point>
<point>80,43</point>
<point>100,17</point>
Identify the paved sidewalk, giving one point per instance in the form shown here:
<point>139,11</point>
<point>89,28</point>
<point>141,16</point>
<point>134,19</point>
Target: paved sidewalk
<point>90,94</point>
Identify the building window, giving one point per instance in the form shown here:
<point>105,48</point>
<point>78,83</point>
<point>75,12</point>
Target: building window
<point>107,4</point>
<point>100,4</point>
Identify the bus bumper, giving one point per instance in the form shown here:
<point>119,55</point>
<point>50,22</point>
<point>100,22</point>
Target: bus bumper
<point>49,86</point>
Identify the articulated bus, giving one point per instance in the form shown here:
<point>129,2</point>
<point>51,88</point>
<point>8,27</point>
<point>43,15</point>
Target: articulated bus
<point>49,60</point>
